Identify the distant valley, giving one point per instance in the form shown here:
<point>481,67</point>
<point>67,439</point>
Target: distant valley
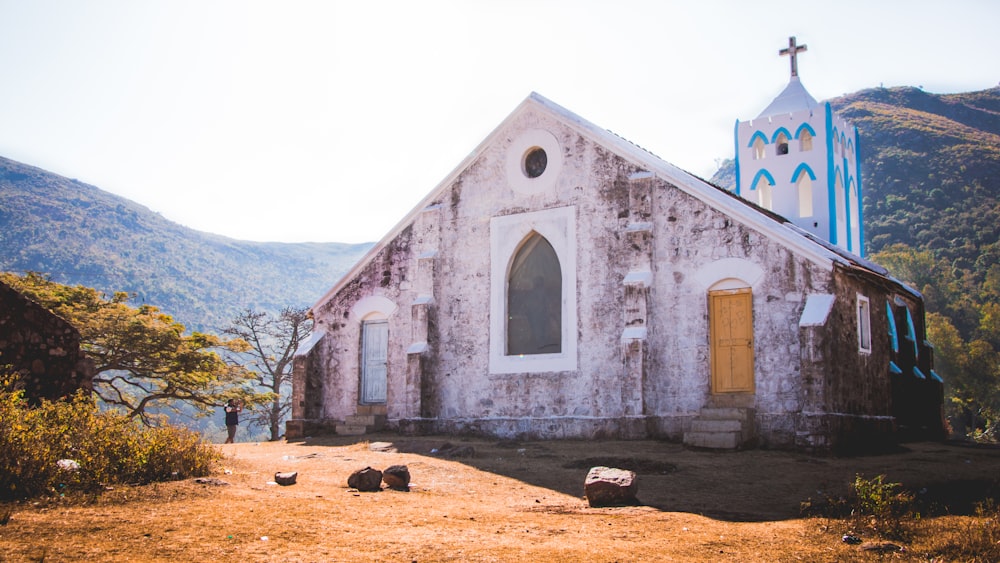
<point>80,234</point>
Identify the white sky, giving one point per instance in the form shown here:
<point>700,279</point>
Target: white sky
<point>328,120</point>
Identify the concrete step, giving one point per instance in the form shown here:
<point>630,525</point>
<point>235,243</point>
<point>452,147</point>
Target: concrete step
<point>350,430</point>
<point>372,409</point>
<point>726,413</point>
<point>716,425</point>
<point>374,422</point>
<point>713,440</point>
<point>366,419</point>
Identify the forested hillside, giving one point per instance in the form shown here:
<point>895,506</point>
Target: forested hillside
<point>79,234</point>
<point>930,171</point>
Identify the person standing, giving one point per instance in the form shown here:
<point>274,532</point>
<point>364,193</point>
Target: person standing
<point>233,409</point>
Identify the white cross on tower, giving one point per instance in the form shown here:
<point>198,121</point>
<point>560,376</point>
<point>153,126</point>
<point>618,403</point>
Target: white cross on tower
<point>793,50</point>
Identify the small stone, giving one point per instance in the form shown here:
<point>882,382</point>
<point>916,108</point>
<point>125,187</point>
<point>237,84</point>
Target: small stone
<point>366,480</point>
<point>383,447</point>
<point>286,477</point>
<point>882,547</point>
<point>70,465</point>
<point>211,481</point>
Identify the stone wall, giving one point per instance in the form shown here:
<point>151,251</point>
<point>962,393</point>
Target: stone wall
<point>41,347</point>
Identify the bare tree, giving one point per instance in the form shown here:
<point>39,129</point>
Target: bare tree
<point>272,341</point>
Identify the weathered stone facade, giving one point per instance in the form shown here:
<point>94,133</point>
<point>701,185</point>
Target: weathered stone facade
<point>42,348</point>
<point>642,249</point>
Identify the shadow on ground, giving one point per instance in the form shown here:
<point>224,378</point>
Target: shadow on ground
<point>743,486</point>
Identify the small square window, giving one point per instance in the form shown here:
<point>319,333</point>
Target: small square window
<point>864,325</point>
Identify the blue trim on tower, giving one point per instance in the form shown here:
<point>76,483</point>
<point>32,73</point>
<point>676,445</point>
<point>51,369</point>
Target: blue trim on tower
<point>755,135</point>
<point>778,131</point>
<point>762,172</point>
<point>807,127</point>
<point>736,151</point>
<point>800,168</point>
<point>831,179</point>
<point>861,211</point>
<point>847,207</point>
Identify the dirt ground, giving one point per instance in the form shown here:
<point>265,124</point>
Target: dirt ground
<point>506,501</point>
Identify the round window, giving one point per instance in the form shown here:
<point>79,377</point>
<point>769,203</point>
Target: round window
<point>535,161</point>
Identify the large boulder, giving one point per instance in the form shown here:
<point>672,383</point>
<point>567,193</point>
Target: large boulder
<point>366,480</point>
<point>286,477</point>
<point>609,486</point>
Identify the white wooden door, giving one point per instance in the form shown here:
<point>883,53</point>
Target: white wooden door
<point>375,351</point>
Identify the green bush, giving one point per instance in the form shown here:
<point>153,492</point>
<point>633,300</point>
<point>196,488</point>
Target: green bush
<point>882,508</point>
<point>108,448</point>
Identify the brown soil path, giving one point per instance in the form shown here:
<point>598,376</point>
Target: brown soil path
<point>508,502</point>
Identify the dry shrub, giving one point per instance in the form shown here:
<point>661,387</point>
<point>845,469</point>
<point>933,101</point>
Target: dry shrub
<point>977,540</point>
<point>107,448</point>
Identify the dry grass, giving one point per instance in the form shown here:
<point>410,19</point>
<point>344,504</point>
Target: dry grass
<point>508,502</point>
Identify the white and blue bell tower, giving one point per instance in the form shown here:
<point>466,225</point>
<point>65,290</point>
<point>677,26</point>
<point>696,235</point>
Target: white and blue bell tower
<point>801,160</point>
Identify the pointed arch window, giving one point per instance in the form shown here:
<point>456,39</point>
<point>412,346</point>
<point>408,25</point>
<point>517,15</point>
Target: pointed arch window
<point>781,144</point>
<point>803,179</point>
<point>759,149</point>
<point>765,197</point>
<point>534,299</point>
<point>532,317</point>
<point>763,184</point>
<point>854,218</point>
<point>805,141</point>
<point>841,212</point>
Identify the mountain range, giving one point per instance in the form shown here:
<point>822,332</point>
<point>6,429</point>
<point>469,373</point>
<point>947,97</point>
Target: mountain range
<point>79,234</point>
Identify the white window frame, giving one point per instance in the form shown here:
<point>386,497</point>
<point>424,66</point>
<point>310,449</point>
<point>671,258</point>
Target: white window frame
<point>558,226</point>
<point>864,310</point>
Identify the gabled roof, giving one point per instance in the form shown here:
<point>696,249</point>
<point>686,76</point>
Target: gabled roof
<point>741,210</point>
<point>792,99</point>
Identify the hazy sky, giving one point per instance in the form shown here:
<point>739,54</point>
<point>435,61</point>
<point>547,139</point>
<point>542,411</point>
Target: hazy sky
<point>328,121</point>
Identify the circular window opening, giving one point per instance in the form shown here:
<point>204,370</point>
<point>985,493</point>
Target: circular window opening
<point>535,161</point>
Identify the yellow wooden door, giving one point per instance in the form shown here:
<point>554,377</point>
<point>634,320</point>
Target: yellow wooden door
<point>731,327</point>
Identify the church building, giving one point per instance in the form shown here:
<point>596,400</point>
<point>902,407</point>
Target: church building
<point>563,282</point>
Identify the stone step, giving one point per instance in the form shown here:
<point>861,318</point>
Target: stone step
<point>374,422</point>
<point>726,413</point>
<point>366,419</point>
<point>716,425</point>
<point>350,430</point>
<point>713,440</point>
<point>373,409</point>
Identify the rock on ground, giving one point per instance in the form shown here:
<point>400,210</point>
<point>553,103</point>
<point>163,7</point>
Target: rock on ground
<point>609,486</point>
<point>397,477</point>
<point>366,480</point>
